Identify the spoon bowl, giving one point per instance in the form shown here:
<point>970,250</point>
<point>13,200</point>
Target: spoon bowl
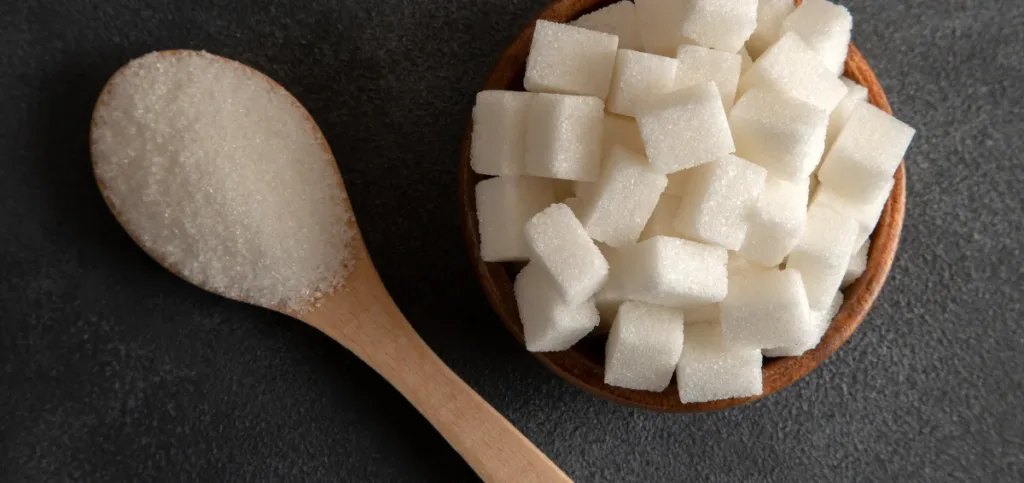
<point>583,364</point>
<point>360,315</point>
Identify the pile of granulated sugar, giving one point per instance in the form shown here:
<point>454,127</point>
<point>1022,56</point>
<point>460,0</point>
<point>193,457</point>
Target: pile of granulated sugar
<point>224,178</point>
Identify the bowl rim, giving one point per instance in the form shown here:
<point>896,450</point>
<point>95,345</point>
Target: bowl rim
<point>777,373</point>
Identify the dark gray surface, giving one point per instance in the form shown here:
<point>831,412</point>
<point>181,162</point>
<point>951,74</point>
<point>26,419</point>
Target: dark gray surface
<point>111,369</point>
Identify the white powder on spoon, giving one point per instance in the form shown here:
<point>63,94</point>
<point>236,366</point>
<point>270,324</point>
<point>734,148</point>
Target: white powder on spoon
<point>222,176</point>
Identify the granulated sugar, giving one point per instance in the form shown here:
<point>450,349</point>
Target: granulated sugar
<point>224,178</point>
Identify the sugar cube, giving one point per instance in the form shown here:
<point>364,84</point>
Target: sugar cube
<point>637,78</point>
<point>622,131</point>
<point>858,264</point>
<point>770,15</point>
<point>659,22</point>
<point>702,314</point>
<point>663,220</point>
<point>623,199</point>
<point>780,132</point>
<point>562,246</point>
<point>503,205</point>
<point>563,137</point>
<point>685,128</point>
<point>865,214</point>
<point>674,272</point>
<point>775,222</point>
<point>765,308</point>
<point>825,27</point>
<point>820,321</point>
<point>866,154</point>
<point>717,24</point>
<point>643,346</point>
<point>791,67</point>
<point>822,254</point>
<point>718,196</point>
<point>617,19</point>
<point>855,95</point>
<point>699,64</point>
<point>746,62</point>
<point>709,369</point>
<point>499,132</point>
<point>570,60</point>
<point>550,324</point>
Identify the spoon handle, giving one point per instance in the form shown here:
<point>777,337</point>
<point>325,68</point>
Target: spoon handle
<point>363,318</point>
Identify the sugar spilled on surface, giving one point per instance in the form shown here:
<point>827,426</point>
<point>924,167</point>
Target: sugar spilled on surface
<point>223,177</point>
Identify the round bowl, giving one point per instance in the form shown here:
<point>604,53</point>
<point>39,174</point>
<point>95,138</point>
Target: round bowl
<point>583,364</point>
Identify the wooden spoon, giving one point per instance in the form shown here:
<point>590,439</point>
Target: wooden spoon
<point>583,364</point>
<point>361,316</point>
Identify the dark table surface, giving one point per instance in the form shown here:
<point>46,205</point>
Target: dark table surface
<point>111,369</point>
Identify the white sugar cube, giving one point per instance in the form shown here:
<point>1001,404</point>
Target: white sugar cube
<point>780,132</point>
<point>855,95</point>
<point>709,369</point>
<point>659,22</point>
<point>685,128</point>
<point>866,214</point>
<point>643,346</point>
<point>746,62</point>
<point>791,67</point>
<point>674,272</point>
<point>765,308</point>
<point>775,222</point>
<point>820,321</point>
<point>550,323</point>
<point>866,154</point>
<point>503,205</point>
<point>623,199</point>
<point>702,314</point>
<point>499,132</point>
<point>638,78</point>
<point>718,195</point>
<point>617,19</point>
<point>858,264</point>
<point>700,64</point>
<point>770,15</point>
<point>718,24</point>
<point>563,137</point>
<point>823,253</point>
<point>825,27</point>
<point>562,246</point>
<point>622,131</point>
<point>663,220</point>
<point>570,60</point>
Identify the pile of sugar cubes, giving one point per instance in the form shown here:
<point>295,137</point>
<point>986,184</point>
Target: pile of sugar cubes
<point>694,177</point>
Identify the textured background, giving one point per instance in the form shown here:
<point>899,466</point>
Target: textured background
<point>111,369</point>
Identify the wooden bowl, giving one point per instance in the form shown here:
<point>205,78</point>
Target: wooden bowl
<point>583,364</point>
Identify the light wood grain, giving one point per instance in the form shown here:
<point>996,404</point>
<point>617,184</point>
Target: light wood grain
<point>583,364</point>
<point>361,316</point>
